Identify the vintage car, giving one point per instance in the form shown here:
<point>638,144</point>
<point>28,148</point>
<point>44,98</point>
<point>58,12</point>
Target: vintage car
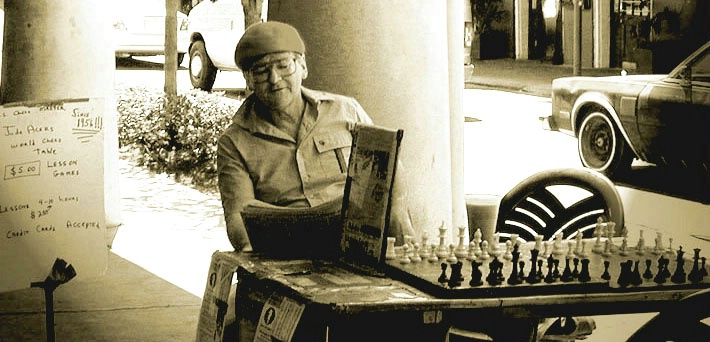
<point>659,119</point>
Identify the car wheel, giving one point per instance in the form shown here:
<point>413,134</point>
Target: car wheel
<point>181,57</point>
<point>601,146</point>
<point>202,71</point>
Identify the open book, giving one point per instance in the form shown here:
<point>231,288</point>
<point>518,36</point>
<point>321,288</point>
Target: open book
<point>294,232</point>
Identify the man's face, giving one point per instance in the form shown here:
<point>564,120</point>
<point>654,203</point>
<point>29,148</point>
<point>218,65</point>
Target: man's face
<point>276,79</point>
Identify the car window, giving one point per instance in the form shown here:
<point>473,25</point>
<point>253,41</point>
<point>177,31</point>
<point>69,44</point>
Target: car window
<point>701,68</point>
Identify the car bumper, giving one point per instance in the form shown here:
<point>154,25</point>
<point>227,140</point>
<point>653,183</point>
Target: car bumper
<point>548,123</point>
<point>147,45</point>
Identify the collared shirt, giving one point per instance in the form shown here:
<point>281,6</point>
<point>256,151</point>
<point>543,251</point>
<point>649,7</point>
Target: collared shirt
<point>257,160</point>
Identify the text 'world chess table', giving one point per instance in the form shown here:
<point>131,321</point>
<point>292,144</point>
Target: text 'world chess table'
<point>315,300</point>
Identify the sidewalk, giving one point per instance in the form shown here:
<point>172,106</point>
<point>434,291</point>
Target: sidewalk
<point>159,259</point>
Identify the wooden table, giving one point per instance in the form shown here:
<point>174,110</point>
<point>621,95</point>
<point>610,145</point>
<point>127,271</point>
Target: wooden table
<point>314,300</point>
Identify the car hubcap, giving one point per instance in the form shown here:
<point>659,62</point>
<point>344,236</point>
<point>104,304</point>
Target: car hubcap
<point>196,66</point>
<point>597,143</point>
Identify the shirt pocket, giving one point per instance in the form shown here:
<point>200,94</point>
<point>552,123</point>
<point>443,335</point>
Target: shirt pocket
<point>333,151</point>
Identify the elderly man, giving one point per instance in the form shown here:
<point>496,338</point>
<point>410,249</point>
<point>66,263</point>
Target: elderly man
<point>288,145</point>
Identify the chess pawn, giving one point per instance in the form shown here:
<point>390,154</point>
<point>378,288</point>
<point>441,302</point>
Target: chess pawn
<point>424,251</point>
<point>471,252</point>
<point>432,254</point>
<point>390,254</point>
<point>583,253</point>
<point>607,248</point>
<point>640,245</point>
<point>611,230</point>
<point>415,254</point>
<point>494,248</point>
<point>658,247</point>
<point>508,255</point>
<point>451,258</point>
<point>578,240</point>
<point>623,250</point>
<point>598,247</point>
<point>670,246</point>
<point>404,258</point>
<point>484,251</point>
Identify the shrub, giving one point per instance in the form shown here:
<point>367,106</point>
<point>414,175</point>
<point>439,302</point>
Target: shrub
<point>175,135</point>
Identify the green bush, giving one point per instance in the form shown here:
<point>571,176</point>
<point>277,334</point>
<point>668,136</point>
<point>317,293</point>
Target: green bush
<point>174,135</point>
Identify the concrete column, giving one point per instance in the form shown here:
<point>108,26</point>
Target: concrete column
<point>602,33</point>
<point>455,20</point>
<point>393,57</point>
<point>522,27</point>
<point>58,49</point>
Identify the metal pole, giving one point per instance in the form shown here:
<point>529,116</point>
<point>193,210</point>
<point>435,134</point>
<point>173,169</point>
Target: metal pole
<point>170,87</point>
<point>577,37</point>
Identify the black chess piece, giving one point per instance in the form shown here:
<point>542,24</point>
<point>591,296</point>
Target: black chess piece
<point>606,275</point>
<point>648,274</point>
<point>550,277</point>
<point>476,274</point>
<point>514,278</point>
<point>694,276</point>
<point>539,274</point>
<point>494,277</point>
<point>521,267</point>
<point>703,271</point>
<point>567,273</point>
<point>575,271</point>
<point>678,276</point>
<point>456,277</point>
<point>443,277</point>
<point>532,277</point>
<point>636,275</point>
<point>584,273</point>
<point>660,277</point>
<point>556,269</point>
<point>625,273</point>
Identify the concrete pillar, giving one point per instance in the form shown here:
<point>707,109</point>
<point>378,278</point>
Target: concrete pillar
<point>393,57</point>
<point>455,20</point>
<point>522,27</point>
<point>602,33</point>
<point>59,49</point>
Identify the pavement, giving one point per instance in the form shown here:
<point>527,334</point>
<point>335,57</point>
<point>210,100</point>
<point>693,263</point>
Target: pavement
<point>160,253</point>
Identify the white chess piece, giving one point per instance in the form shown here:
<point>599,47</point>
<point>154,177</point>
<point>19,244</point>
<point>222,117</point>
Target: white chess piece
<point>390,254</point>
<point>432,254</point>
<point>538,243</point>
<point>508,255</point>
<point>484,251</point>
<point>451,258</point>
<point>442,251</point>
<point>415,254</point>
<point>404,258</point>
<point>461,251</point>
<point>558,247</point>
<point>641,244</point>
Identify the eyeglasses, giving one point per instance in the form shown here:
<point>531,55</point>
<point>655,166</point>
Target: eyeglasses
<point>283,67</point>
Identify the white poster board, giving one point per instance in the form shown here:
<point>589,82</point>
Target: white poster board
<point>51,190</point>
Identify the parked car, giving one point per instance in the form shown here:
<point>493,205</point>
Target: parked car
<point>139,29</point>
<point>215,28</point>
<point>660,119</point>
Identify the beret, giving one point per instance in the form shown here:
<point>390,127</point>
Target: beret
<point>267,37</point>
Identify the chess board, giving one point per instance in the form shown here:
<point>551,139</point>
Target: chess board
<point>607,270</point>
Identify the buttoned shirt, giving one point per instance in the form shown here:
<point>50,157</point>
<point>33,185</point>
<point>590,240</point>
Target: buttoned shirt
<point>257,160</point>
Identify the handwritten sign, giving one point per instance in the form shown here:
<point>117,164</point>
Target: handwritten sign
<point>51,190</point>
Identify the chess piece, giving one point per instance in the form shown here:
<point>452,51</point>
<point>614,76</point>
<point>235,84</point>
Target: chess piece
<point>584,273</point>
<point>648,274</point>
<point>539,274</point>
<point>578,242</point>
<point>484,251</point>
<point>476,274</point>
<point>660,277</point>
<point>670,246</point>
<point>432,254</point>
<point>443,277</point>
<point>477,236</point>
<point>567,273</point>
<point>657,249</point>
<point>424,250</point>
<point>558,247</point>
<point>694,276</point>
<point>570,248</point>
<point>451,258</point>
<point>636,275</point>
<point>404,258</point>
<point>521,270</point>
<point>550,278</point>
<point>538,242</point>
<point>678,276</point>
<point>514,278</point>
<point>703,270</point>
<point>607,248</point>
<point>640,245</point>
<point>583,253</point>
<point>623,250</point>
<point>461,251</point>
<point>598,232</point>
<point>494,247</point>
<point>508,255</point>
<point>442,251</point>
<point>575,271</point>
<point>610,232</point>
<point>513,239</point>
<point>532,276</point>
<point>625,273</point>
<point>390,254</point>
<point>415,258</point>
<point>546,253</point>
<point>456,276</point>
<point>606,276</point>
<point>471,255</point>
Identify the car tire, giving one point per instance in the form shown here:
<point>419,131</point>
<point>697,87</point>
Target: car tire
<point>601,146</point>
<point>202,71</point>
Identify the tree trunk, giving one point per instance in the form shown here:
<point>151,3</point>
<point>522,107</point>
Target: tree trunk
<point>252,11</point>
